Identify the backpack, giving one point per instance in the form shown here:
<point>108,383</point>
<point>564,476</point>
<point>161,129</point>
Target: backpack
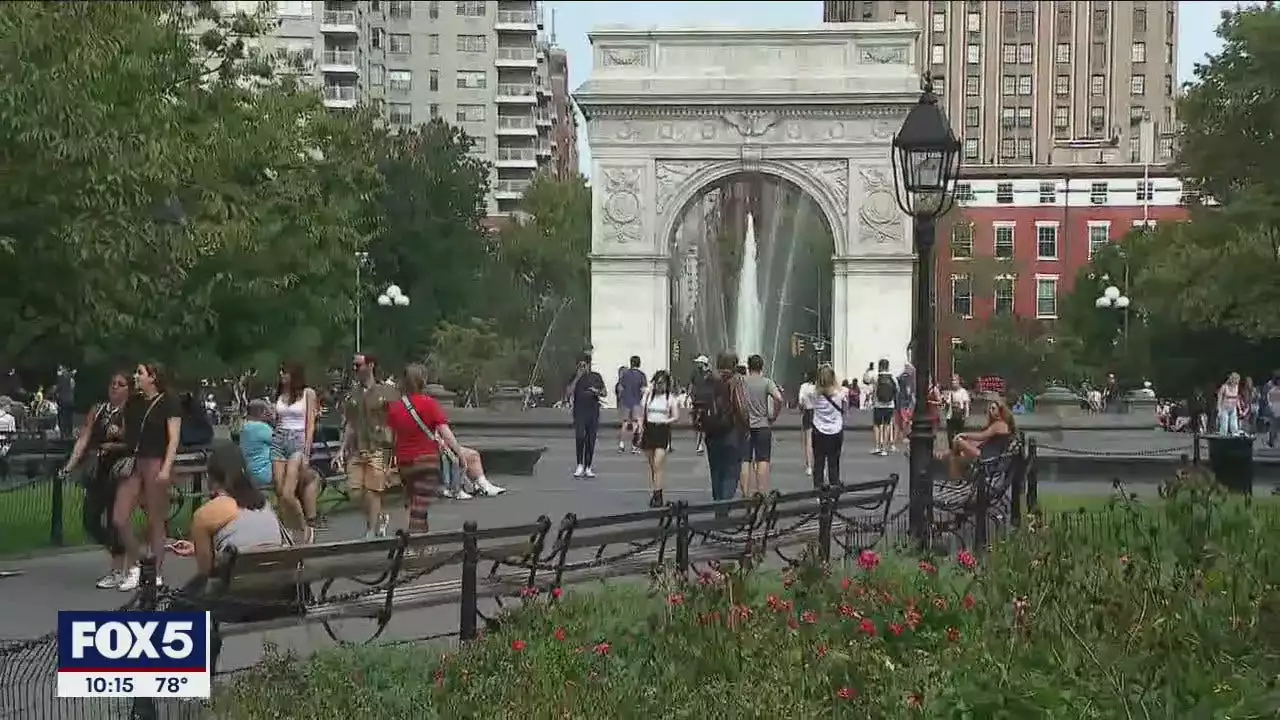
<point>886,388</point>
<point>713,411</point>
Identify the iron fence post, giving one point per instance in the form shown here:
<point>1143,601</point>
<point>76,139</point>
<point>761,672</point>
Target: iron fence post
<point>980,530</point>
<point>1033,477</point>
<point>1019,486</point>
<point>470,565</point>
<point>57,535</point>
<point>682,536</point>
<point>144,708</point>
<point>826,518</point>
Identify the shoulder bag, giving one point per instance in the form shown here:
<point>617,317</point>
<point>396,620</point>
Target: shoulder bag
<point>445,453</point>
<point>123,467</point>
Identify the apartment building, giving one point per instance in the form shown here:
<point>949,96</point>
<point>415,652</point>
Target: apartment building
<point>1027,82</point>
<point>483,65</point>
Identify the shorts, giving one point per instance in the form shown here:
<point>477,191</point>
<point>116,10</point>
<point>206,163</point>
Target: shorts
<point>806,419</point>
<point>421,482</point>
<point>904,417</point>
<point>630,413</point>
<point>286,444</point>
<point>757,445</point>
<point>882,416</point>
<point>370,471</point>
<point>655,437</point>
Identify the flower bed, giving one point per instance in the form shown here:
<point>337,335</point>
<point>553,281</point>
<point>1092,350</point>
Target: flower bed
<point>1168,618</point>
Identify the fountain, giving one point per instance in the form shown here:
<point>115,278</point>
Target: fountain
<point>748,328</point>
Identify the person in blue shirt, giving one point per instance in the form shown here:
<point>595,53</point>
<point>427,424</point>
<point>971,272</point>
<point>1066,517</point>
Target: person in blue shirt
<point>255,442</point>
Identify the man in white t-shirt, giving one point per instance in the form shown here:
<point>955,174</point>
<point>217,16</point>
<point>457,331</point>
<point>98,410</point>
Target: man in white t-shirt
<point>805,400</point>
<point>956,404</point>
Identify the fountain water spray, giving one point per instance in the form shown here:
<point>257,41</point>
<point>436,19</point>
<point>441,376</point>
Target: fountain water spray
<point>748,332</point>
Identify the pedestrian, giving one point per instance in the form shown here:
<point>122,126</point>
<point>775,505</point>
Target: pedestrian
<point>764,404</point>
<point>721,416</point>
<point>884,396</point>
<point>629,391</point>
<point>827,434</point>
<point>366,444</point>
<point>586,390</point>
<point>660,411</point>
<point>421,433</point>
<point>805,401</point>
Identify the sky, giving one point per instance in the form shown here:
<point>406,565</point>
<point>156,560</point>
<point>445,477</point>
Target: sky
<point>573,20</point>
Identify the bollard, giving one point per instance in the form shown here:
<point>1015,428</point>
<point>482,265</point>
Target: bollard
<point>467,629</point>
<point>1033,478</point>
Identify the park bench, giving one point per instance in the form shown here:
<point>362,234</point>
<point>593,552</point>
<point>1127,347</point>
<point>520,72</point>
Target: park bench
<point>985,496</point>
<point>334,583</point>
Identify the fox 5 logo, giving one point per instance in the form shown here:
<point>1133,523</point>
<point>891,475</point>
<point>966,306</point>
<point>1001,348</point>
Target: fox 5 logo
<point>133,640</point>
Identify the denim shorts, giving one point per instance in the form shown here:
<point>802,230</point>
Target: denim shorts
<point>286,444</point>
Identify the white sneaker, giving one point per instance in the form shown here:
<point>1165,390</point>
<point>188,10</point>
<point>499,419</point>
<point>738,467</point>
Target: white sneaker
<point>488,489</point>
<point>877,451</point>
<point>448,493</point>
<point>384,522</point>
<point>461,495</point>
<point>579,471</point>
<point>808,471</point>
<point>110,580</point>
<point>589,473</point>
<point>130,579</point>
<point>621,447</point>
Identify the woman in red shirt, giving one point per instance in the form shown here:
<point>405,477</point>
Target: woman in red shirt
<point>419,427</point>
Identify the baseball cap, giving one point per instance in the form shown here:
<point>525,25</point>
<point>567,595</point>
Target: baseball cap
<point>701,360</point>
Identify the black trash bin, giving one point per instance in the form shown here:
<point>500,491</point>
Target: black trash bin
<point>1231,459</point>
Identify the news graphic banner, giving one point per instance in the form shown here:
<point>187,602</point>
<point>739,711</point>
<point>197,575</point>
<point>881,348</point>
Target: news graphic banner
<point>133,654</point>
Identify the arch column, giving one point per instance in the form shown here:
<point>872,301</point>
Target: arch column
<point>864,329</point>
<point>630,314</point>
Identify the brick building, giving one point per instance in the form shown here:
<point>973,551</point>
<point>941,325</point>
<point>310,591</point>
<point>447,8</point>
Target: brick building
<point>1045,223</point>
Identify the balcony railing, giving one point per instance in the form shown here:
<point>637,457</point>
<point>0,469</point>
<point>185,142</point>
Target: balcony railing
<point>515,122</point>
<point>516,17</point>
<point>516,154</point>
<point>340,92</point>
<point>511,187</point>
<point>339,17</point>
<point>516,53</point>
<point>339,57</point>
<point>516,90</point>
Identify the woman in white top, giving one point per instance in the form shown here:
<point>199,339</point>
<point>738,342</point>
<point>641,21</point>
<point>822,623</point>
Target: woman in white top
<point>829,403</point>
<point>660,409</point>
<point>295,429</point>
<point>1229,406</point>
<point>805,400</point>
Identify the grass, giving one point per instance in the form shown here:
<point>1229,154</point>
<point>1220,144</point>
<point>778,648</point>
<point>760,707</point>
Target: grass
<point>1053,503</point>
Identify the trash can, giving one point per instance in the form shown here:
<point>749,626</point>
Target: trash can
<point>1231,459</point>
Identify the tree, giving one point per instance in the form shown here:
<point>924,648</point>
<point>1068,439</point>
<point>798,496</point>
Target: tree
<point>470,357</point>
<point>433,244</point>
<point>1015,349</point>
<point>165,197</point>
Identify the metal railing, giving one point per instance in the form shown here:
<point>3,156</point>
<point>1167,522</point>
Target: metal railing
<point>339,57</point>
<point>511,187</point>
<point>516,90</point>
<point>516,17</point>
<point>516,53</point>
<point>340,92</point>
<point>516,154</point>
<point>515,122</point>
<point>338,17</point>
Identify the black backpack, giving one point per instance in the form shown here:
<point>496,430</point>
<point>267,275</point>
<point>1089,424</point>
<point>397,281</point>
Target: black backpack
<point>713,406</point>
<point>886,388</point>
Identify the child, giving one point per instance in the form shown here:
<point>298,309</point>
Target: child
<point>255,442</point>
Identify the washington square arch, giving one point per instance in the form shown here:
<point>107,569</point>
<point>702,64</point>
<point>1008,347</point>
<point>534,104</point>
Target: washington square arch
<point>743,196</point>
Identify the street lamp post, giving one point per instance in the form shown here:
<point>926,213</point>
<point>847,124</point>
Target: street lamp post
<point>926,160</point>
<point>358,296</point>
<point>1113,297</point>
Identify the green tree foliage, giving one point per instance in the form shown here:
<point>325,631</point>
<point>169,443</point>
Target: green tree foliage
<point>471,356</point>
<point>166,197</point>
<point>1016,349</point>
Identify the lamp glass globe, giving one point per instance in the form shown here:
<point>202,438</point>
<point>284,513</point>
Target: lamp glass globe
<point>1102,302</point>
<point>393,291</point>
<point>402,300</point>
<point>1122,302</point>
<point>383,300</point>
<point>1111,293</point>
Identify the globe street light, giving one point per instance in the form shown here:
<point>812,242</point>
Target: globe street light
<point>1112,297</point>
<point>393,296</point>
<point>926,162</point>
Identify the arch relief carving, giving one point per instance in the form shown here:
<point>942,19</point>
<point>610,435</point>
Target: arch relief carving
<point>879,219</point>
<point>621,211</point>
<point>696,126</point>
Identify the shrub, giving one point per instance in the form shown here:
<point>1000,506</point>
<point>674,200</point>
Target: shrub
<point>1169,613</point>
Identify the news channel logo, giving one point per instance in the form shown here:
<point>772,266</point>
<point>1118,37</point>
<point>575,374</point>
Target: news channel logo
<point>133,654</point>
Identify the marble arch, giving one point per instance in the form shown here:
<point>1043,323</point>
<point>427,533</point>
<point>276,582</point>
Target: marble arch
<point>670,112</point>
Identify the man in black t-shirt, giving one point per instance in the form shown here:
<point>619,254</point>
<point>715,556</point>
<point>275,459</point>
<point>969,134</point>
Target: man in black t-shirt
<point>585,390</point>
<point>697,381</point>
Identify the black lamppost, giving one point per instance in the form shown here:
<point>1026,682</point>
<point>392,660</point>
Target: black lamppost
<point>926,161</point>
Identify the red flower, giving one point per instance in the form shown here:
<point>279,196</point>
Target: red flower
<point>969,602</point>
<point>953,634</point>
<point>868,560</point>
<point>940,603</point>
<point>739,612</point>
<point>927,568</point>
<point>791,623</point>
<point>518,645</point>
<point>808,617</point>
<point>560,634</point>
<point>675,599</point>
<point>528,591</point>
<point>915,700</point>
<point>846,610</point>
<point>895,629</point>
<point>601,649</point>
<point>846,693</point>
<point>868,626</point>
<point>557,593</point>
<point>439,678</point>
<point>914,618</point>
<point>821,651</point>
<point>845,584</point>
<point>966,560</point>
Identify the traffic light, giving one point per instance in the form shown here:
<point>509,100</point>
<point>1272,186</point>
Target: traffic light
<point>795,346</point>
<point>800,345</point>
<point>675,351</point>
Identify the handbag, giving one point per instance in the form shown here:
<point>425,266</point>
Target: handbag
<point>124,467</point>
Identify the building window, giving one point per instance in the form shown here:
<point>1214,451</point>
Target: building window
<point>1008,148</point>
<point>1008,84</point>
<point>938,54</point>
<point>376,37</point>
<point>1004,193</point>
<point>1010,22</point>
<point>972,85</point>
<point>1139,20</point>
<point>1145,224</point>
<point>1062,85</point>
<point>971,149</point>
<point>939,22</point>
<point>1165,148</point>
<point>1097,118</point>
<point>473,43</point>
<point>1024,149</point>
<point>433,44</point>
<point>1137,114</point>
<point>1098,193</point>
<point>1003,247</point>
<point>1024,84</point>
<point>1047,297</point>
<point>400,44</point>
<point>939,86</point>
<point>1046,241</point>
<point>961,241</point>
<point>964,193</point>
<point>1061,117</point>
<point>1024,54</point>
<point>400,9</point>
<point>1097,84</point>
<point>1099,236</point>
<point>479,145</point>
<point>973,22</point>
<point>1009,52</point>
<point>434,110</point>
<point>973,54</point>
<point>1048,193</point>
<point>433,80</point>
<point>1062,52</point>
<point>1099,22</point>
<point>472,79</point>
<point>1146,191</point>
<point>1024,117</point>
<point>962,296</point>
<point>399,82</point>
<point>1168,54</point>
<point>900,16</point>
<point>295,9</point>
<point>1003,286</point>
<point>1138,85</point>
<point>400,113</point>
<point>972,117</point>
<point>377,75</point>
<point>433,9</point>
<point>471,113</point>
<point>1168,86</point>
<point>1138,52</point>
<point>473,8</point>
<point>1026,21</point>
<point>1007,117</point>
<point>1135,148</point>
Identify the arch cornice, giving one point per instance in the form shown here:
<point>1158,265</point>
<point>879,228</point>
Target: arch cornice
<point>826,180</point>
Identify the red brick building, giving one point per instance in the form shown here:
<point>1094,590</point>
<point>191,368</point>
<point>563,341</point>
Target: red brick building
<point>1045,223</point>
